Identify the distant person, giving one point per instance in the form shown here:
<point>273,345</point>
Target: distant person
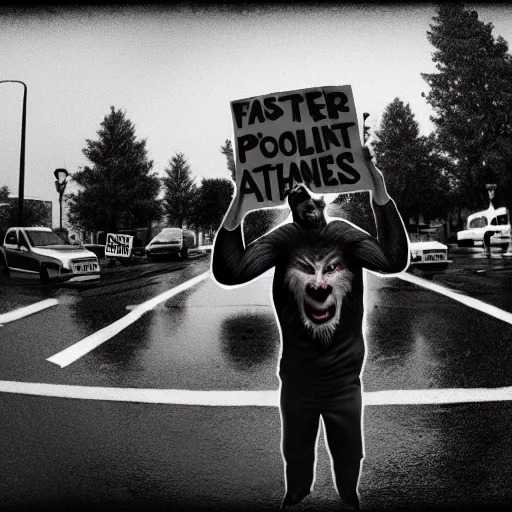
<point>318,298</point>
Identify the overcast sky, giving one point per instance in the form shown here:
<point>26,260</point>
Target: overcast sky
<point>175,71</point>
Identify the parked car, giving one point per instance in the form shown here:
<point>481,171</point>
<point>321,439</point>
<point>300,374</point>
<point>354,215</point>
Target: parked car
<point>481,228</point>
<point>97,249</point>
<point>427,253</point>
<point>501,238</point>
<point>41,251</point>
<point>172,241</point>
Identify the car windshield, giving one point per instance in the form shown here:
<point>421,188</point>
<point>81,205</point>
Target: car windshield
<point>44,238</point>
<point>167,235</point>
<point>479,222</point>
<point>422,237</point>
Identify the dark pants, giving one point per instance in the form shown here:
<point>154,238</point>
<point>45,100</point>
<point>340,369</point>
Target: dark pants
<point>300,415</point>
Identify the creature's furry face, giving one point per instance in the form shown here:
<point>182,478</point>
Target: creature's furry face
<point>319,282</point>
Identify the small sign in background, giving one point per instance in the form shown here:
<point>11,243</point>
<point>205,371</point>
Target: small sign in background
<point>118,246</point>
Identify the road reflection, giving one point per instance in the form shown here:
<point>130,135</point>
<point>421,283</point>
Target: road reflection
<point>417,339</point>
<point>249,339</point>
<point>121,352</point>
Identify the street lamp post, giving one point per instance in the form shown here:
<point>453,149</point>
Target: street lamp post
<point>21,187</point>
<point>61,176</point>
<point>491,191</point>
<point>508,250</point>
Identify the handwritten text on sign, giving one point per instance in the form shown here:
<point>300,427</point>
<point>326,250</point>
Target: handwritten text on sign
<point>118,245</point>
<point>308,136</point>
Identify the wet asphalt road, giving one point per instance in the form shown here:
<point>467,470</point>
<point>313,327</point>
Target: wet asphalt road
<point>62,452</point>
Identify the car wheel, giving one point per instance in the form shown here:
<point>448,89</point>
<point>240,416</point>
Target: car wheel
<point>183,254</point>
<point>4,269</point>
<point>44,277</point>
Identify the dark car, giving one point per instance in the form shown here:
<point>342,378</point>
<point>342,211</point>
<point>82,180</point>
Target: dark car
<point>172,241</point>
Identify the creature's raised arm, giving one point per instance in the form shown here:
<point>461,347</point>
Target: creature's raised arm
<point>389,252</point>
<point>232,263</point>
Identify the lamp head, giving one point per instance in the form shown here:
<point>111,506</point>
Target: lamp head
<point>61,175</point>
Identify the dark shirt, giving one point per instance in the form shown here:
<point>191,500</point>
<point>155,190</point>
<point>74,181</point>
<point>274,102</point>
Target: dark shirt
<point>319,368</point>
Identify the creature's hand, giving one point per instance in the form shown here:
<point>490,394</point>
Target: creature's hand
<point>236,212</point>
<point>379,193</point>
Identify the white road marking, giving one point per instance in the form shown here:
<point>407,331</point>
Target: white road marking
<point>252,305</point>
<point>83,347</point>
<point>498,313</point>
<point>266,398</point>
<point>27,310</point>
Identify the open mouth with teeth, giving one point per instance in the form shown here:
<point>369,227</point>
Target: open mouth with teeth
<point>319,315</point>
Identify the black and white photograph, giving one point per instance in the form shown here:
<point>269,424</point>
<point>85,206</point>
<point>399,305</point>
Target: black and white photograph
<point>255,256</point>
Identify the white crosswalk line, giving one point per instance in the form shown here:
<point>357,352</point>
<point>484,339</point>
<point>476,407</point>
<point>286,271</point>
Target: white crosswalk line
<point>83,347</point>
<point>16,314</point>
<point>266,398</point>
<point>498,313</point>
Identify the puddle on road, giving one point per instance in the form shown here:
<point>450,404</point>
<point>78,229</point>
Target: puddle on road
<point>206,337</point>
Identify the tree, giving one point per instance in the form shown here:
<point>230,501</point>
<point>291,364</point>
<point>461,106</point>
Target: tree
<point>416,173</point>
<point>212,201</point>
<point>35,212</point>
<point>356,208</point>
<point>227,151</point>
<point>472,99</point>
<point>180,191</point>
<point>118,189</point>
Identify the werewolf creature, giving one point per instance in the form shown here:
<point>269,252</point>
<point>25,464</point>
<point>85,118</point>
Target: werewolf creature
<point>318,298</point>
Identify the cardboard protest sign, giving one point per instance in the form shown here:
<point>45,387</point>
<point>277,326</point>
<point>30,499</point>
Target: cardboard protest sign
<point>118,246</point>
<point>308,136</point>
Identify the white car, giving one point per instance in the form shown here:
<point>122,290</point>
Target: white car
<point>42,252</point>
<point>427,253</point>
<point>487,228</point>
